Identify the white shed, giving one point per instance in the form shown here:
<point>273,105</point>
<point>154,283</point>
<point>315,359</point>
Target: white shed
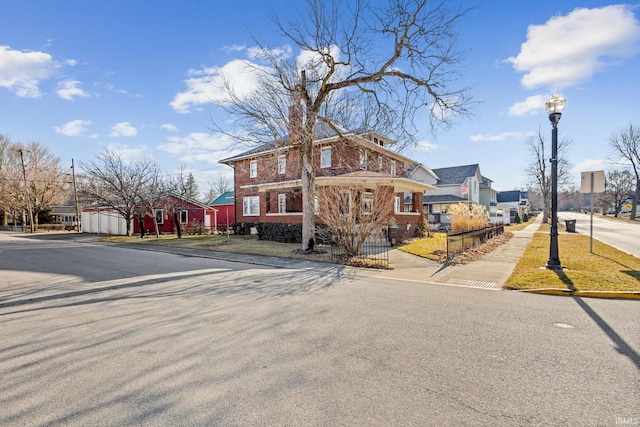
<point>103,221</point>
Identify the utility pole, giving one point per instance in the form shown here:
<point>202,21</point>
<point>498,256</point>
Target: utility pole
<point>26,191</point>
<point>75,192</point>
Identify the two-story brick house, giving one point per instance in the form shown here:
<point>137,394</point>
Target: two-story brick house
<point>267,179</point>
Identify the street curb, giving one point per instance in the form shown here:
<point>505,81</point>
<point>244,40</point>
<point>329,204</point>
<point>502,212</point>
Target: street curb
<point>586,294</point>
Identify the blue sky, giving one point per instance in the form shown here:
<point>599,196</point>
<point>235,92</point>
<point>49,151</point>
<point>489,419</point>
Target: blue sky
<point>136,76</point>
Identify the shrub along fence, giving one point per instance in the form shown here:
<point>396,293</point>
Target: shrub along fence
<point>461,240</point>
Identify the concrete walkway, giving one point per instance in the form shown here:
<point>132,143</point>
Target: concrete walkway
<point>491,271</point>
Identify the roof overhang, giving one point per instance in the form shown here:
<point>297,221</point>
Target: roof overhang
<point>399,184</point>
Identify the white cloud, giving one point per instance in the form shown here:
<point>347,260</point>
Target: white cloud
<point>129,153</point>
<point>234,48</point>
<point>22,71</point>
<point>200,146</point>
<point>71,62</point>
<point>69,89</point>
<point>259,53</point>
<point>499,137</point>
<point>530,106</point>
<point>169,127</point>
<point>208,85</point>
<point>73,128</point>
<point>593,165</point>
<point>123,129</point>
<point>424,145</point>
<point>567,50</point>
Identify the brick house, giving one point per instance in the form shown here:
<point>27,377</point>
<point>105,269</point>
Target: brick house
<point>268,186</point>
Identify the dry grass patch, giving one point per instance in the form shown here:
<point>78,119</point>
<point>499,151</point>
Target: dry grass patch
<point>435,248</point>
<point>248,245</point>
<point>606,269</point>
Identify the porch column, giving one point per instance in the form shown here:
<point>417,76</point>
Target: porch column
<point>416,203</point>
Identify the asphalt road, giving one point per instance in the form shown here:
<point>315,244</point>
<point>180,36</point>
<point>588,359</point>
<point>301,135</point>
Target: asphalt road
<point>620,234</point>
<point>108,336</point>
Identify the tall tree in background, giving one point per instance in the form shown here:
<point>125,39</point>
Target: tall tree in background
<point>191,188</point>
<point>538,173</point>
<point>117,183</point>
<point>619,186</point>
<point>384,67</point>
<point>47,183</point>
<point>222,184</point>
<point>626,143</point>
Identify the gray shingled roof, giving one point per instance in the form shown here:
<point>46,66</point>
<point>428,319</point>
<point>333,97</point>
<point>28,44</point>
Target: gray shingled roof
<point>455,174</point>
<point>511,196</point>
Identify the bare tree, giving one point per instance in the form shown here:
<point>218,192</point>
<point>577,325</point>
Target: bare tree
<point>42,173</point>
<point>626,143</point>
<point>361,65</point>
<point>539,175</point>
<point>619,186</point>
<point>352,213</point>
<point>117,183</point>
<point>220,185</point>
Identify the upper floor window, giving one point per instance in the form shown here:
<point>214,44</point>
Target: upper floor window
<point>325,157</point>
<point>379,162</point>
<point>393,168</point>
<point>363,160</point>
<point>253,169</point>
<point>282,164</point>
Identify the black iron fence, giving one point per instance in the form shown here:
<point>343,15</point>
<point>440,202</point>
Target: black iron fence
<point>461,240</point>
<point>374,249</point>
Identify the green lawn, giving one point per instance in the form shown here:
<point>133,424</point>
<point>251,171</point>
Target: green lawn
<point>606,269</point>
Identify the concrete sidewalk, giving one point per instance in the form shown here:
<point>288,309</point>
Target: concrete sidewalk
<point>491,271</point>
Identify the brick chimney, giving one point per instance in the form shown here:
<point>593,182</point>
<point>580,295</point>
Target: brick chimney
<point>295,119</point>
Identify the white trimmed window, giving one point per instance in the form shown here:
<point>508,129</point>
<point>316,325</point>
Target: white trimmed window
<point>380,163</point>
<point>159,213</point>
<point>325,157</point>
<point>184,217</point>
<point>251,206</point>
<point>253,169</point>
<point>367,203</point>
<point>363,160</point>
<point>396,204</point>
<point>282,203</point>
<point>393,168</point>
<point>282,164</point>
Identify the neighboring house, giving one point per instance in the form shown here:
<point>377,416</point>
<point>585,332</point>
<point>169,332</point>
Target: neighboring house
<point>517,201</point>
<point>224,204</point>
<point>452,185</point>
<point>190,212</point>
<point>65,215</point>
<point>268,184</point>
<point>489,199</point>
<point>106,220</point>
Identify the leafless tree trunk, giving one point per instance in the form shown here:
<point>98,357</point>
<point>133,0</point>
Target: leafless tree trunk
<point>539,175</point>
<point>339,80</point>
<point>626,143</point>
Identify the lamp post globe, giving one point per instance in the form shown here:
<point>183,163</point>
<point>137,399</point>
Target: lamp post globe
<point>554,106</point>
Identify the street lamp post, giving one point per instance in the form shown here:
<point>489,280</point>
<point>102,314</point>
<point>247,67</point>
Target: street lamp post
<point>554,106</point>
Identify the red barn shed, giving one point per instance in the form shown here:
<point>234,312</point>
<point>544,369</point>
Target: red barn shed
<point>190,213</point>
